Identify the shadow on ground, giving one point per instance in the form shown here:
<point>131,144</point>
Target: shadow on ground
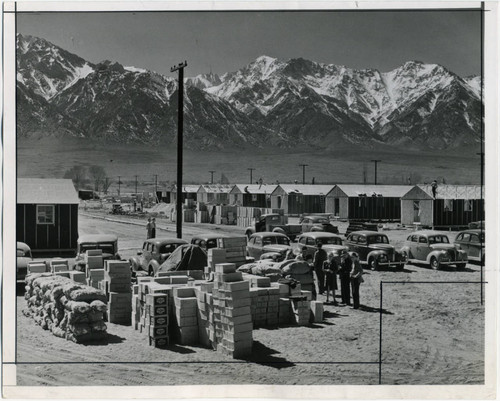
<point>263,355</point>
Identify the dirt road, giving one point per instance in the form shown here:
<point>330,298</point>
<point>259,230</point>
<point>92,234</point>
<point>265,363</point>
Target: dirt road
<point>432,333</point>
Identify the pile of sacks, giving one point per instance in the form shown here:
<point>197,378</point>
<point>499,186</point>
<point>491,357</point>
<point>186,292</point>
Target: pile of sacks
<point>69,310</point>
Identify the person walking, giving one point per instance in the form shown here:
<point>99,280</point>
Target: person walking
<point>330,269</point>
<point>149,228</point>
<point>345,280</point>
<point>320,256</point>
<point>356,275</point>
<point>153,228</point>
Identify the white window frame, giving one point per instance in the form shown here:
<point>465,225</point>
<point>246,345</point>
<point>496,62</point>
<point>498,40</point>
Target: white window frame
<point>38,215</point>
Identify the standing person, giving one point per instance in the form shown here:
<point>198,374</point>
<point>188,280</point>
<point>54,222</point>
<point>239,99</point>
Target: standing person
<point>330,269</point>
<point>149,228</point>
<point>356,279</point>
<point>434,186</point>
<point>153,228</point>
<point>319,257</point>
<point>344,274</point>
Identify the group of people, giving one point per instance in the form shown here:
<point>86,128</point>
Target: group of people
<point>326,268</point>
<point>151,228</point>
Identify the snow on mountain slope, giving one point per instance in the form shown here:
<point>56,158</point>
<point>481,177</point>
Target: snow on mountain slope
<point>290,103</point>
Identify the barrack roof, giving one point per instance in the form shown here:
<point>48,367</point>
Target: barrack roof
<point>306,189</point>
<point>255,188</point>
<point>388,191</point>
<point>46,191</point>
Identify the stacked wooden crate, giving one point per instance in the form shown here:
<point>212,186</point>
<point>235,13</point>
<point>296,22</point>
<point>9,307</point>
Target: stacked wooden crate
<point>58,265</point>
<point>36,267</point>
<point>118,281</point>
<point>232,313</point>
<point>236,249</point>
<point>301,311</point>
<point>186,315</point>
<point>157,319</point>
<point>78,277</point>
<point>206,326</point>
<point>94,267</point>
<point>316,311</point>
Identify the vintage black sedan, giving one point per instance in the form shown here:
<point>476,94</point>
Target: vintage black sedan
<point>153,253</point>
<point>267,242</point>
<point>374,250</point>
<point>330,243</point>
<point>434,248</point>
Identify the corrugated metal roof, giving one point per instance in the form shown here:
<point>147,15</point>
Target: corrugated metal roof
<point>216,188</point>
<point>186,188</point>
<point>388,191</point>
<point>46,191</point>
<point>454,191</point>
<point>306,189</point>
<point>255,188</point>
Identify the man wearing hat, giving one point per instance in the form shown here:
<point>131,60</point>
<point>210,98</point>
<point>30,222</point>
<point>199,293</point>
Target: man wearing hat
<point>319,258</point>
<point>345,277</point>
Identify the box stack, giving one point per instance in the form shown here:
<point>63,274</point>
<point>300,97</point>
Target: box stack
<point>117,279</point>
<point>317,311</point>
<point>272,312</point>
<point>215,256</point>
<point>232,312</point>
<point>205,310</point>
<point>37,267</point>
<point>301,311</point>
<point>236,249</point>
<point>285,311</point>
<point>94,276</point>
<point>186,315</point>
<point>78,277</point>
<point>157,321</point>
<point>58,265</point>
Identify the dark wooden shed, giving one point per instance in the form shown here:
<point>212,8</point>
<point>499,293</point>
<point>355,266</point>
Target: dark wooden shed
<point>47,214</point>
<point>296,199</point>
<point>453,206</point>
<point>251,195</point>
<point>366,202</point>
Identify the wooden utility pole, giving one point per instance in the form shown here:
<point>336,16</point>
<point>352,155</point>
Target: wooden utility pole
<point>180,128</point>
<point>156,188</point>
<point>251,170</point>
<point>303,172</point>
<point>376,162</point>
<point>212,176</point>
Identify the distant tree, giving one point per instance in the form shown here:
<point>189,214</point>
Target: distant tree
<point>107,183</point>
<point>97,175</point>
<point>78,174</point>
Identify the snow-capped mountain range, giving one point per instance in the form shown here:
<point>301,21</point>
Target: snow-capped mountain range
<point>293,103</point>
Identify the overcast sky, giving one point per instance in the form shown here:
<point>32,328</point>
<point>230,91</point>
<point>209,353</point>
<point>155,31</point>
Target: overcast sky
<point>226,41</point>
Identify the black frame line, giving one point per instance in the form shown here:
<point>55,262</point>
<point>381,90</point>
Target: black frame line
<point>482,10</point>
<point>191,362</point>
<point>409,282</point>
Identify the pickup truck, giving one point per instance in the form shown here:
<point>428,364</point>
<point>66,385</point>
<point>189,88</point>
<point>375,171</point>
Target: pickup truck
<point>274,222</point>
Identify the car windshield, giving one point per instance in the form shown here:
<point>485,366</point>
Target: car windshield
<point>320,220</point>
<point>439,239</point>
<point>276,240</point>
<point>105,247</point>
<point>21,253</point>
<point>378,239</point>
<point>329,241</point>
<point>168,248</point>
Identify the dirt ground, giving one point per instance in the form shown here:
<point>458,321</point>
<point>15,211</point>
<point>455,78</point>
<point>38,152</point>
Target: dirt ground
<point>432,333</point>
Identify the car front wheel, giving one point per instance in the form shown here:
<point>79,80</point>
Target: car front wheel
<point>434,263</point>
<point>373,263</point>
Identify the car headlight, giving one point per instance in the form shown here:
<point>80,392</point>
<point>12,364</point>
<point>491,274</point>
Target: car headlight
<point>382,257</point>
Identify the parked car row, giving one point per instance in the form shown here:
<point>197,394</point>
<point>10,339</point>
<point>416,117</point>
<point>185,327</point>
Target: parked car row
<point>430,247</point>
<point>374,249</point>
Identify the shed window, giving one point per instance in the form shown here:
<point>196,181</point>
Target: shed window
<point>45,214</point>
<point>468,205</point>
<point>254,198</point>
<point>448,205</point>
